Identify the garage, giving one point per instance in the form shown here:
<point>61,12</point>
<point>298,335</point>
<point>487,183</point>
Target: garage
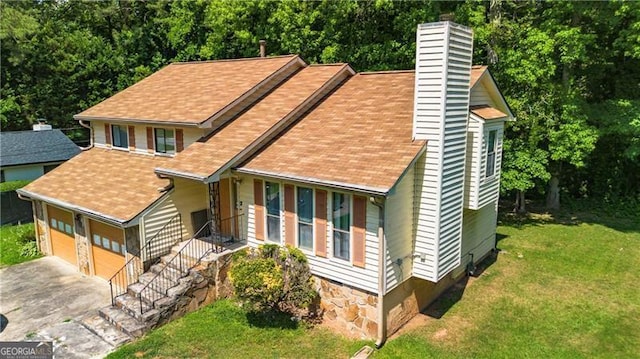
<point>107,248</point>
<point>63,243</point>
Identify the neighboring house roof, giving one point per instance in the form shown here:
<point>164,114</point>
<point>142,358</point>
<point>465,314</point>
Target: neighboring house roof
<point>27,147</point>
<point>204,158</point>
<point>487,112</point>
<point>188,93</point>
<point>476,72</point>
<point>112,184</point>
<point>359,137</point>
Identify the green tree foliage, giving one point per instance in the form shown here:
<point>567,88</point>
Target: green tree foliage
<point>273,278</point>
<point>569,70</point>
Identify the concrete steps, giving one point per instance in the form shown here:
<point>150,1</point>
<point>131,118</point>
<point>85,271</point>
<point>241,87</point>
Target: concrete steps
<point>105,330</point>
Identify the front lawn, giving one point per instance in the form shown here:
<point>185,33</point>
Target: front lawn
<point>564,287</point>
<point>17,244</point>
<point>223,330</point>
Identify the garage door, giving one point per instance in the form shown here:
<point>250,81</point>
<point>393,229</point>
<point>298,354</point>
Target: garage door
<point>107,248</point>
<point>63,243</point>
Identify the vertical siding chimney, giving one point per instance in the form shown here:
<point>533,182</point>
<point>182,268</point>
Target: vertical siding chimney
<point>441,106</point>
<point>263,48</point>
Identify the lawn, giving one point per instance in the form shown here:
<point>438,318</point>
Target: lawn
<point>13,240</point>
<point>564,287</point>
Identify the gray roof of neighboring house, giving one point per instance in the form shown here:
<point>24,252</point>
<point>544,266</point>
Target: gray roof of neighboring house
<point>26,147</point>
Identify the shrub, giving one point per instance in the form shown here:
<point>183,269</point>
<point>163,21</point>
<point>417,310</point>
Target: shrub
<point>273,278</point>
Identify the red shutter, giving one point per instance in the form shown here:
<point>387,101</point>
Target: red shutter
<point>150,139</point>
<point>289,216</point>
<point>359,229</point>
<point>321,223</point>
<point>132,137</point>
<point>258,201</point>
<point>107,133</point>
<point>179,140</point>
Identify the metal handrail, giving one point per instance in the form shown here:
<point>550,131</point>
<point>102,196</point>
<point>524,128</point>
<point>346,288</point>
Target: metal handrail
<point>200,250</point>
<point>120,278</point>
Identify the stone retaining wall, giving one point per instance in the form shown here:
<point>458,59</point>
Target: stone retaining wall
<point>348,308</point>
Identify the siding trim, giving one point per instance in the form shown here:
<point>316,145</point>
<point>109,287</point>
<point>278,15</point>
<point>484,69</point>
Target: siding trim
<point>107,134</point>
<point>150,146</point>
<point>320,223</point>
<point>359,230</point>
<point>289,215</point>
<point>258,200</point>
<point>132,138</point>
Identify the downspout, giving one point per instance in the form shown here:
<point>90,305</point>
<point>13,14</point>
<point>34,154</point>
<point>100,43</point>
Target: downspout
<point>382,320</point>
<point>90,135</point>
<point>167,187</point>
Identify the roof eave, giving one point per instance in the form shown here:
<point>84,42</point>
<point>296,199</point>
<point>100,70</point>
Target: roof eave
<point>377,191</point>
<point>133,120</point>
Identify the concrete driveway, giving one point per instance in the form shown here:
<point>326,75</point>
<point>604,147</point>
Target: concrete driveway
<point>46,299</point>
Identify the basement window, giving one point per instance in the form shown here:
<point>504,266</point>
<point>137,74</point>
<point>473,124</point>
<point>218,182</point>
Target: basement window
<point>165,140</point>
<point>490,159</point>
<point>120,136</point>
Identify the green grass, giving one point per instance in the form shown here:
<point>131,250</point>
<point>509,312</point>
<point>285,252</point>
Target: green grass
<point>13,185</point>
<point>12,243</point>
<point>562,287</point>
<point>223,330</point>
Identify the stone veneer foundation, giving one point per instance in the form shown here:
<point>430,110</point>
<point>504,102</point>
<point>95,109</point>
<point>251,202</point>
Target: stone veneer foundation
<point>349,308</point>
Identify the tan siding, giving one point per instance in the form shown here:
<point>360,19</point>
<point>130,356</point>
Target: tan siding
<point>330,268</point>
<point>190,196</point>
<point>398,231</point>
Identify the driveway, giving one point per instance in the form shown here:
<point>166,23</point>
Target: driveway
<point>46,299</point>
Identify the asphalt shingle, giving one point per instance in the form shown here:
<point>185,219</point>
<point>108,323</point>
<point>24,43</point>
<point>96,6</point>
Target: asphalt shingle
<point>27,147</point>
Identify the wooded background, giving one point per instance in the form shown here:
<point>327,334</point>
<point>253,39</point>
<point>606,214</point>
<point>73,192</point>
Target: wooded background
<point>569,70</point>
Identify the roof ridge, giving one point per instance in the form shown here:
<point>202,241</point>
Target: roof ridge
<point>333,64</point>
<point>195,62</point>
<point>386,72</point>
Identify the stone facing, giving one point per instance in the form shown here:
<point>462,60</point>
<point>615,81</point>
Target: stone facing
<point>346,307</point>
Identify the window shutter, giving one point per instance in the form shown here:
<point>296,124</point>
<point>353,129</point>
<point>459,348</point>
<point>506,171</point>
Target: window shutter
<point>132,137</point>
<point>150,139</point>
<point>359,229</point>
<point>320,223</point>
<point>258,201</point>
<point>289,216</point>
<point>107,133</point>
<point>179,140</point>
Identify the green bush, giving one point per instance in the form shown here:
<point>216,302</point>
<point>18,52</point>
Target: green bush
<point>273,278</point>
<point>13,185</point>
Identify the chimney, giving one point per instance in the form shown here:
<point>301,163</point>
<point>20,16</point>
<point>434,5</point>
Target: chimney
<point>41,125</point>
<point>263,48</point>
<point>441,108</point>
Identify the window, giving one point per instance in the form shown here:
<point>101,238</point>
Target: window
<point>305,218</point>
<point>491,154</point>
<point>341,225</point>
<point>54,223</point>
<point>96,239</point>
<point>119,134</point>
<point>106,243</point>
<point>272,192</point>
<point>109,244</point>
<point>165,141</point>
<point>115,246</point>
<point>68,228</point>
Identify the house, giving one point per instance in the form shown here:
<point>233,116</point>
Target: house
<point>387,181</point>
<point>27,155</point>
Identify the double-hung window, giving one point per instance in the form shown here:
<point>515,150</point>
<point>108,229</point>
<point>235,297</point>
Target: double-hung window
<point>305,218</point>
<point>341,225</point>
<point>165,140</point>
<point>120,136</point>
<point>272,192</point>
<point>491,154</point>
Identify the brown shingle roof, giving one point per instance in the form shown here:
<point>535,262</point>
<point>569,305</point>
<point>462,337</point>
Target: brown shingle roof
<point>487,112</point>
<point>116,184</point>
<point>360,136</point>
<point>476,73</point>
<point>203,159</point>
<point>188,92</point>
